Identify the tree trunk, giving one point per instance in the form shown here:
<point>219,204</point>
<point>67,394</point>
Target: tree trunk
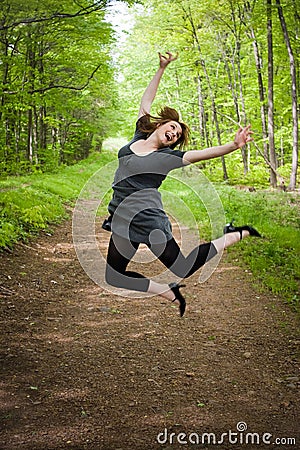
<point>201,115</point>
<point>42,125</point>
<point>232,85</point>
<point>18,128</point>
<point>42,128</point>
<point>273,159</point>
<point>211,92</point>
<point>293,177</point>
<point>36,135</point>
<point>31,116</point>
<point>3,117</point>
<point>244,115</point>
<point>263,108</point>
<point>230,79</point>
<point>5,69</point>
<point>236,61</point>
<point>30,136</point>
<point>215,116</point>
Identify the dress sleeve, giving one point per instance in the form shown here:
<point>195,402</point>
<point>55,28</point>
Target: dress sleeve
<point>178,153</point>
<point>170,159</point>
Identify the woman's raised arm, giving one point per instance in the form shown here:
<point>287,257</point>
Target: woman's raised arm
<point>150,92</point>
<point>242,137</point>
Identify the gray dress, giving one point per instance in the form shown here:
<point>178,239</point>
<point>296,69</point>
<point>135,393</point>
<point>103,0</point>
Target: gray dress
<point>136,206</point>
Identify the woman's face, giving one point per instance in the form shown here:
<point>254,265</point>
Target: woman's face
<point>169,133</point>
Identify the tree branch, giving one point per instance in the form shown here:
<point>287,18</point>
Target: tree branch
<point>82,12</point>
<point>58,86</point>
<point>280,178</point>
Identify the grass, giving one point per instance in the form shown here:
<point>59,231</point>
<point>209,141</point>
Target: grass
<point>274,259</point>
<point>32,203</point>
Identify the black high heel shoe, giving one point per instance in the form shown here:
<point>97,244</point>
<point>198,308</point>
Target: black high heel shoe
<point>182,303</point>
<point>230,228</point>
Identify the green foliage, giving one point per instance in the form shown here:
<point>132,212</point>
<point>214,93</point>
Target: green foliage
<point>57,88</point>
<point>216,61</point>
<point>30,203</point>
<point>26,210</point>
<point>274,259</point>
<point>8,233</point>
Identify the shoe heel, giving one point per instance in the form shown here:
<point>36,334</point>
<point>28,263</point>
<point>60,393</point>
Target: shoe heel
<point>178,296</point>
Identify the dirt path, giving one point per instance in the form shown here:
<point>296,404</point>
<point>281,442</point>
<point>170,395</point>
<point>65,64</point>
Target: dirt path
<point>84,369</point>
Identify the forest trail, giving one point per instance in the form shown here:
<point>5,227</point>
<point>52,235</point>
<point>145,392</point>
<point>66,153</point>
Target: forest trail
<point>84,369</point>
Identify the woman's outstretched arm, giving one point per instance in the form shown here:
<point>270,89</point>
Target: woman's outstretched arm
<point>242,137</point>
<point>150,92</point>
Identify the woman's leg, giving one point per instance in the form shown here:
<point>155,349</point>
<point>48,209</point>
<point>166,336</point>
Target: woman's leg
<point>229,239</point>
<point>180,265</point>
<point>184,267</point>
<point>120,252</point>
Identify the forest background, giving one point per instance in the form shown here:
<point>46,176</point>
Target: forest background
<point>67,83</point>
<point>63,91</point>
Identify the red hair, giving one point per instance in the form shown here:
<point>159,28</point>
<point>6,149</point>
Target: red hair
<point>149,123</point>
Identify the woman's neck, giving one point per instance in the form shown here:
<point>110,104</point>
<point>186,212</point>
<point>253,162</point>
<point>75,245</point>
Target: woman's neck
<point>144,146</point>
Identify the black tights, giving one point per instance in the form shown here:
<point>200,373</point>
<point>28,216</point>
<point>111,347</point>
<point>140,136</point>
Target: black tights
<point>121,251</point>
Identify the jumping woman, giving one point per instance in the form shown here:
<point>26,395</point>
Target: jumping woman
<point>136,211</point>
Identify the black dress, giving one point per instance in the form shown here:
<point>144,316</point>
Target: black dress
<point>136,206</point>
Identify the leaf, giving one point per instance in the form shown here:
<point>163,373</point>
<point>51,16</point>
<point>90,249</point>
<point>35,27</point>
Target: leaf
<point>201,405</point>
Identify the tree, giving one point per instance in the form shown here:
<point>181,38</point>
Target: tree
<point>201,62</point>
<point>273,159</point>
<point>294,96</point>
<point>233,67</point>
<point>259,69</point>
<point>56,81</point>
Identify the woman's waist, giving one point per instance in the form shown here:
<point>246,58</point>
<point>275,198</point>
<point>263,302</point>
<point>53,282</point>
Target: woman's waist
<point>136,200</point>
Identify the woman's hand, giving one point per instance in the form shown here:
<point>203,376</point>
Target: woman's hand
<point>243,136</point>
<point>150,92</point>
<point>164,60</point>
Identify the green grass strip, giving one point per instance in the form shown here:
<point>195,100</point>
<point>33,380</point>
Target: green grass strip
<point>31,203</point>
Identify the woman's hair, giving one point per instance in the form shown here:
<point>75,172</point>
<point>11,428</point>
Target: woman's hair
<point>149,123</point>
